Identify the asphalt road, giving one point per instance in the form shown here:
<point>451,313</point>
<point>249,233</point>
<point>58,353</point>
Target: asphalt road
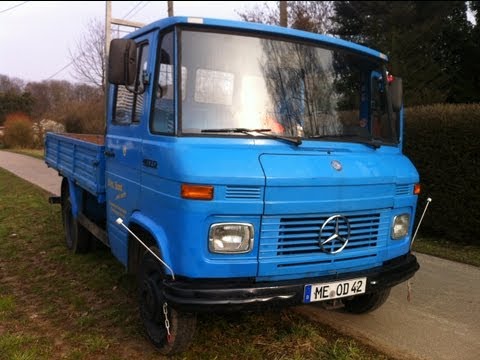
<point>440,322</point>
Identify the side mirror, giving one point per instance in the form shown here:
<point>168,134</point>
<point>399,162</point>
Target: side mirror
<point>396,94</point>
<point>122,62</point>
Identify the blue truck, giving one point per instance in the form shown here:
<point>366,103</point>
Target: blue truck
<point>244,166</point>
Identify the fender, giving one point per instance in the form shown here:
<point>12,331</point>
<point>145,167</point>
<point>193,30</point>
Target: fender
<point>76,198</point>
<point>158,234</point>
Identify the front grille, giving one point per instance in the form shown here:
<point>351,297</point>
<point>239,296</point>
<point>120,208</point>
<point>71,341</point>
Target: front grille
<point>301,236</point>
<point>293,241</point>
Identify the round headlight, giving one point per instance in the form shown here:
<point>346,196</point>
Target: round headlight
<point>401,224</point>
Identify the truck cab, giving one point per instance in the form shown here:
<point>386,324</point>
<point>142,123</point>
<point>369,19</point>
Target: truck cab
<point>263,165</point>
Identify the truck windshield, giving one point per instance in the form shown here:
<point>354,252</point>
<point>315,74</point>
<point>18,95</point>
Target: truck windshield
<point>288,89</point>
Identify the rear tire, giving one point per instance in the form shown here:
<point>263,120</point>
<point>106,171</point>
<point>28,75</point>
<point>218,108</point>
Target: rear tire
<point>151,301</point>
<point>363,304</point>
<point>77,238</point>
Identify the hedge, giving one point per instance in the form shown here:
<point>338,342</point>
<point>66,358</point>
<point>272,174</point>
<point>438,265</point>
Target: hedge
<point>443,141</point>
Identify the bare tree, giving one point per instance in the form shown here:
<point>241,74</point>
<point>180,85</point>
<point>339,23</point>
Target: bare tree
<point>88,58</point>
<point>313,16</point>
<point>265,14</point>
<point>11,85</point>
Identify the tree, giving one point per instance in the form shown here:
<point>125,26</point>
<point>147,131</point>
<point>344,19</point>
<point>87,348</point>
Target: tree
<point>12,102</point>
<point>313,16</point>
<point>53,98</point>
<point>88,59</point>
<point>11,85</point>
<point>472,54</point>
<point>425,40</point>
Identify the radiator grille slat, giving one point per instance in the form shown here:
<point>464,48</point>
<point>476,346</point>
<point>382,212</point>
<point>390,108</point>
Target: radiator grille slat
<point>403,189</point>
<point>242,192</point>
<point>293,241</point>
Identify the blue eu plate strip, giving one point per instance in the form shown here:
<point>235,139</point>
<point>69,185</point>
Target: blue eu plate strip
<point>306,294</point>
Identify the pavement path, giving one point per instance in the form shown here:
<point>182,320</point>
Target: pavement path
<point>32,170</point>
<point>441,322</point>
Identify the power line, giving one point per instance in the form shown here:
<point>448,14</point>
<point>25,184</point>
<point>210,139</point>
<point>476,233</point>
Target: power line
<point>59,71</point>
<point>13,7</point>
<point>136,12</point>
<point>138,4</point>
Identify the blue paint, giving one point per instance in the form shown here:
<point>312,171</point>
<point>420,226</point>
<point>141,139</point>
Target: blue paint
<point>285,191</point>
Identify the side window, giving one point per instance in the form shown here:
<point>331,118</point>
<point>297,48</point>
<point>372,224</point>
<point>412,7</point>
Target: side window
<point>378,107</point>
<point>130,102</point>
<point>163,119</point>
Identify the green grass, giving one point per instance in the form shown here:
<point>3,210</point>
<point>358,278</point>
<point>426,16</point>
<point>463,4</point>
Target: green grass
<point>22,347</point>
<point>467,254</point>
<point>36,153</point>
<point>60,306</point>
<point>7,305</point>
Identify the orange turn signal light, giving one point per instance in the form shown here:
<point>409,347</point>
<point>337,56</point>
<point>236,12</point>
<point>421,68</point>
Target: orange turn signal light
<point>417,189</point>
<point>197,192</point>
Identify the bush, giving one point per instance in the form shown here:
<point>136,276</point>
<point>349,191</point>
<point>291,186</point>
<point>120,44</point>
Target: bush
<point>86,118</point>
<point>443,141</point>
<point>18,131</point>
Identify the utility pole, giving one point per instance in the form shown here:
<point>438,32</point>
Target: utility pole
<point>108,37</point>
<point>108,24</point>
<point>170,8</point>
<point>108,33</point>
<point>283,14</point>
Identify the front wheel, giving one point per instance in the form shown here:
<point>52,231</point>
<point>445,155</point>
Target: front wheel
<point>157,315</point>
<point>366,303</point>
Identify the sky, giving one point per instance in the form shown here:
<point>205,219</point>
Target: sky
<point>36,36</point>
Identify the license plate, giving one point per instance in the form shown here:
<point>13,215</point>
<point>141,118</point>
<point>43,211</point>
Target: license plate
<point>334,290</point>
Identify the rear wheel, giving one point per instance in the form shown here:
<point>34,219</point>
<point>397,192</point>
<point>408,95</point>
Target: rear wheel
<point>77,238</point>
<point>157,315</point>
<point>366,303</point>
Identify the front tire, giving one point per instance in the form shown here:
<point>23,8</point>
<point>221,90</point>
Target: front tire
<point>152,302</point>
<point>366,303</point>
<point>77,238</point>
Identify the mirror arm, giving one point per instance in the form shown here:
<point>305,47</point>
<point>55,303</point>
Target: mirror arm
<point>136,92</point>
<point>145,82</point>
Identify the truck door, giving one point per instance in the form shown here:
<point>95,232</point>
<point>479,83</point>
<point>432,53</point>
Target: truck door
<point>123,148</point>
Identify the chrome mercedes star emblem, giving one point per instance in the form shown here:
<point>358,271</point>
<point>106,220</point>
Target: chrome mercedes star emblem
<point>336,165</point>
<point>335,235</point>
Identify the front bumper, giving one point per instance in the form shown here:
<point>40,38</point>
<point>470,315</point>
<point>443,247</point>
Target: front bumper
<point>220,295</point>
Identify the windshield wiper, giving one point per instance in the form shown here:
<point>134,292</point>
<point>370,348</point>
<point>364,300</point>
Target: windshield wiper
<point>374,143</point>
<point>234,130</point>
<point>295,141</point>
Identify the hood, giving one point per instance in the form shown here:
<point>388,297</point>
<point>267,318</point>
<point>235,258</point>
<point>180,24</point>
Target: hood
<point>339,182</point>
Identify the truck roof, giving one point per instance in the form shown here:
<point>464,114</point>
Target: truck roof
<point>255,27</point>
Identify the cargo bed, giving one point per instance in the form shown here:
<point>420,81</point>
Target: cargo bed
<point>79,157</point>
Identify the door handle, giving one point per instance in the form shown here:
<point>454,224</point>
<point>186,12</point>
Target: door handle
<point>109,153</point>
